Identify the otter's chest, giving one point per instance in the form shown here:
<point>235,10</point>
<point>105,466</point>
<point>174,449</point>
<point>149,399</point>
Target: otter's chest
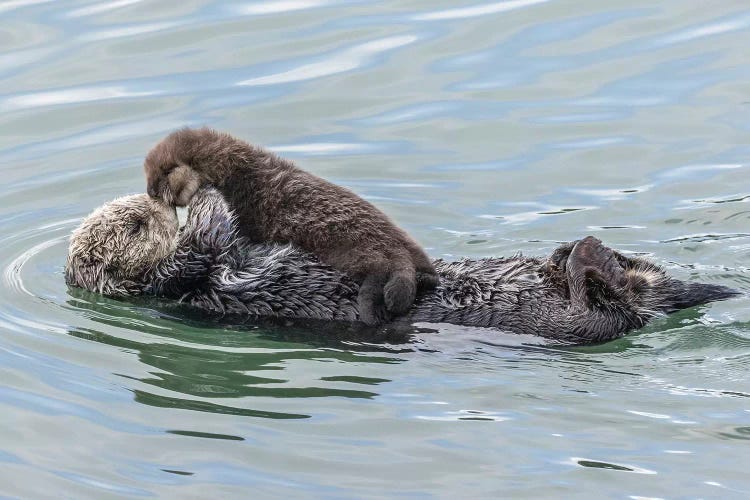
<point>494,282</point>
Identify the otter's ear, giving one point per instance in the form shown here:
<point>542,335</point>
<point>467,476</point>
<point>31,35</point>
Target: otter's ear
<point>183,182</point>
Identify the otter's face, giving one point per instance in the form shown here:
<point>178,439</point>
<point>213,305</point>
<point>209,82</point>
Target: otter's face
<point>119,243</point>
<point>168,177</point>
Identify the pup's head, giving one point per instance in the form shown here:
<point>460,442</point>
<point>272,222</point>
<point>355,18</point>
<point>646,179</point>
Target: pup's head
<point>170,166</point>
<point>119,243</point>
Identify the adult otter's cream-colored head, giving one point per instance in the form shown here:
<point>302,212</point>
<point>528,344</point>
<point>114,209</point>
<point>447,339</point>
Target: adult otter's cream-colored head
<point>119,243</point>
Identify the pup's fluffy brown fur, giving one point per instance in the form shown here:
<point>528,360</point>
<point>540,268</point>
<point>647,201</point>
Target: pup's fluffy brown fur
<point>276,201</point>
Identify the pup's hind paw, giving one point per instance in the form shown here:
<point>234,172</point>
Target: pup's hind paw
<point>372,310</point>
<point>399,293</point>
<point>427,281</point>
<point>373,315</point>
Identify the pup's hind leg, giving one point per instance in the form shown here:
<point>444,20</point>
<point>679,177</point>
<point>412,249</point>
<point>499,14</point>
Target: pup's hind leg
<point>372,309</point>
<point>427,276</point>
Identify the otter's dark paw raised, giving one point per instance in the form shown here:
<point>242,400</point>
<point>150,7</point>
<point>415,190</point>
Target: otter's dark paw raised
<point>594,272</point>
<point>590,252</point>
<point>559,257</point>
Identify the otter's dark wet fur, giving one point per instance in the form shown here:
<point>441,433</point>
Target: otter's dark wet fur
<point>276,201</point>
<point>584,293</point>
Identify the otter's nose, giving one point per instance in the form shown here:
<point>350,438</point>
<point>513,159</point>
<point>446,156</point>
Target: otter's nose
<point>152,191</point>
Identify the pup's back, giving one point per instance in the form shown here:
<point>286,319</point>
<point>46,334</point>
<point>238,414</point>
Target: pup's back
<point>276,201</point>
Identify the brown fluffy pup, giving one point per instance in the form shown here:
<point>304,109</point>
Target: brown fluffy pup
<point>276,201</point>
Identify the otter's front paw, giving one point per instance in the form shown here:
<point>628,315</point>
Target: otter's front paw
<point>591,253</point>
<point>559,258</point>
<point>595,275</point>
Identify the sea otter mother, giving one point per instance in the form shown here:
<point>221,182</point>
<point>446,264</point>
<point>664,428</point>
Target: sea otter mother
<point>583,293</point>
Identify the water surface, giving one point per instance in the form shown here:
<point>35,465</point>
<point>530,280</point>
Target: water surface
<point>483,128</point>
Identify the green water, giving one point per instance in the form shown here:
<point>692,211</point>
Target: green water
<point>481,128</point>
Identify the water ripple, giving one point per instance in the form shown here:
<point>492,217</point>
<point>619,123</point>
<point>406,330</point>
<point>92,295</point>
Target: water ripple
<point>597,464</point>
<point>9,5</point>
<point>325,148</point>
<point>279,6</point>
<point>71,96</point>
<point>127,31</point>
<point>340,62</point>
<point>741,22</point>
<point>12,273</point>
<point>100,7</point>
<point>476,10</point>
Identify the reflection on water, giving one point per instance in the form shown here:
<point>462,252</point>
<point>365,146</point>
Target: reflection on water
<point>218,374</point>
<point>202,360</point>
<point>483,128</point>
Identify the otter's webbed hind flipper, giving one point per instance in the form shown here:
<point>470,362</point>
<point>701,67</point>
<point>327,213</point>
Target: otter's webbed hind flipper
<point>683,295</point>
<point>664,294</point>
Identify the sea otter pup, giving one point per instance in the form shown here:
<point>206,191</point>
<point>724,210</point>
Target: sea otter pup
<point>276,201</point>
<point>584,293</point>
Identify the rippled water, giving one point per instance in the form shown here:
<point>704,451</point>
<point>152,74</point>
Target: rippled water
<point>483,129</point>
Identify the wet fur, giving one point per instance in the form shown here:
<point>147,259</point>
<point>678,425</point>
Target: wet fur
<point>119,243</point>
<point>276,201</point>
<point>583,293</point>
